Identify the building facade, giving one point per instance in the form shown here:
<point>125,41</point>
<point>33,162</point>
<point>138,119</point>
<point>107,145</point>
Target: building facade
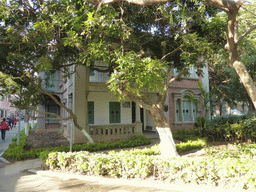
<point>7,110</point>
<point>100,113</point>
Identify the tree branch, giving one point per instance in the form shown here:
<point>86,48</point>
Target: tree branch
<point>245,34</point>
<point>248,11</point>
<point>171,52</point>
<point>137,2</point>
<point>72,115</point>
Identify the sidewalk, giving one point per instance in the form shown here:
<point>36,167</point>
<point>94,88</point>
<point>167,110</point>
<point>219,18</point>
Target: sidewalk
<point>8,138</point>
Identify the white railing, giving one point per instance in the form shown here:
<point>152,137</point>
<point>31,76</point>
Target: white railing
<point>109,132</point>
<point>112,132</point>
<point>99,77</point>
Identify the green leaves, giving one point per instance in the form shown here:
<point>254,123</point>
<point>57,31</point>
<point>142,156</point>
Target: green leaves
<point>137,74</point>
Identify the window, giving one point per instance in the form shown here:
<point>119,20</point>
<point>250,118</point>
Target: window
<point>90,106</point>
<point>185,110</point>
<point>192,73</point>
<point>50,81</point>
<point>114,112</point>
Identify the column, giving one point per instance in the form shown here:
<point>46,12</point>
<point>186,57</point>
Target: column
<point>138,128</point>
<point>80,102</point>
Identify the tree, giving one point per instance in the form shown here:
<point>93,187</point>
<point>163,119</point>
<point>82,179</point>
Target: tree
<point>56,34</point>
<point>223,79</point>
<point>231,8</point>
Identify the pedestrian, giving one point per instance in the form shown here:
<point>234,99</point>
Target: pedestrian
<point>15,121</point>
<point>4,127</point>
<point>9,122</point>
<point>12,122</point>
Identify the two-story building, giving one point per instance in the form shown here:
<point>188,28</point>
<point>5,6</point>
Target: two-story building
<point>103,116</point>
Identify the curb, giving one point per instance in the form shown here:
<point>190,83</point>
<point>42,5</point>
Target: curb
<point>4,160</point>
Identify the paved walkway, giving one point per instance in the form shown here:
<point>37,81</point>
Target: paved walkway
<point>8,138</point>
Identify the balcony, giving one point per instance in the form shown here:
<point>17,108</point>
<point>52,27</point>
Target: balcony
<point>98,76</point>
<point>53,85</point>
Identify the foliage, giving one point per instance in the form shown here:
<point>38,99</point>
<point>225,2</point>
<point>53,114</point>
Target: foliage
<point>185,134</point>
<point>229,128</point>
<point>222,168</point>
<point>20,152</point>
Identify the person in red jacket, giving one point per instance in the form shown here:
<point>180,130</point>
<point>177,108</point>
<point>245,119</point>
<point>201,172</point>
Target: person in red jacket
<point>4,127</point>
<point>15,121</point>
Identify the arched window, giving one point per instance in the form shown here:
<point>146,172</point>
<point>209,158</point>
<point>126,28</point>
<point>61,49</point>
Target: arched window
<point>186,107</point>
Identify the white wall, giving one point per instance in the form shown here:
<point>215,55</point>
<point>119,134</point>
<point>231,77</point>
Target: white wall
<point>101,108</point>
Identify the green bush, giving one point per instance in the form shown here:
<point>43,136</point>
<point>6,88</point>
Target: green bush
<point>186,146</point>
<point>219,168</point>
<point>19,152</point>
<point>185,135</point>
<point>228,128</point>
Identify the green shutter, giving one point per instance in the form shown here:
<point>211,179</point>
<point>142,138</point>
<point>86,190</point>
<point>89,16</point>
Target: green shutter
<point>186,110</point>
<point>194,111</point>
<point>177,111</point>
<point>114,112</point>
<point>90,105</point>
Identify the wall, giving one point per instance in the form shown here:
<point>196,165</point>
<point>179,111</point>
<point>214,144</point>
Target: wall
<point>101,108</point>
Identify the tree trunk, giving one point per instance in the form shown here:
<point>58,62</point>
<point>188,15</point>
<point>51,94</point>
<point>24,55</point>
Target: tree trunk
<point>232,45</point>
<point>167,144</point>
<point>26,122</point>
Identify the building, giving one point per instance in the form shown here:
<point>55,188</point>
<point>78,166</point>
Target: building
<point>6,108</point>
<point>102,115</point>
<point>185,99</point>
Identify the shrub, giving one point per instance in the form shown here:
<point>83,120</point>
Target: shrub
<point>229,128</point>
<point>19,152</point>
<point>185,135</point>
<point>220,168</point>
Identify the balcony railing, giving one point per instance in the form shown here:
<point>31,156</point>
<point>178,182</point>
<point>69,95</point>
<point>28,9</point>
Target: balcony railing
<point>109,132</point>
<point>98,77</point>
<point>112,132</point>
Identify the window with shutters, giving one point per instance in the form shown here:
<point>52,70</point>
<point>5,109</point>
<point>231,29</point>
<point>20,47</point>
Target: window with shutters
<point>185,110</point>
<point>114,112</point>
